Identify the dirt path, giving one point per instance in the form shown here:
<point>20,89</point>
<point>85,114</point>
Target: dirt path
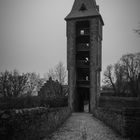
<point>83,126</point>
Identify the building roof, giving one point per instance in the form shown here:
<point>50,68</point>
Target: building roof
<point>84,8</point>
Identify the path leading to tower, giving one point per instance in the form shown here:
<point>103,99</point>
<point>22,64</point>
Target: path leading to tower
<point>83,126</point>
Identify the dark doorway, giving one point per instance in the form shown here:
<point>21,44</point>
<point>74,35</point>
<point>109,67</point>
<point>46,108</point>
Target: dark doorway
<point>83,99</point>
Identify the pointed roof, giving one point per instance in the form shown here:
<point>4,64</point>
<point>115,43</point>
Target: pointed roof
<point>83,8</point>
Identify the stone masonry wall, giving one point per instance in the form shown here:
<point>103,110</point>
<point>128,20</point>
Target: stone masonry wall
<point>71,63</point>
<point>30,124</point>
<point>118,102</point>
<point>95,60</point>
<point>124,121</point>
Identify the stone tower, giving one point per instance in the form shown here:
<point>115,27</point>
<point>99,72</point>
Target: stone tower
<point>84,51</point>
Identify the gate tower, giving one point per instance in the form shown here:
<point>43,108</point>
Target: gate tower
<point>84,52</point>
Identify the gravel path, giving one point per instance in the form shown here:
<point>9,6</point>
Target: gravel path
<point>83,126</point>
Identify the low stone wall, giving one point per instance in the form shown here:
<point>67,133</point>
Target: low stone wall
<point>31,124</point>
<point>118,102</point>
<point>132,121</point>
<point>125,121</point>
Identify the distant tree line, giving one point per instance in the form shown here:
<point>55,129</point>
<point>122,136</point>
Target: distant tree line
<point>122,77</point>
<point>14,84</point>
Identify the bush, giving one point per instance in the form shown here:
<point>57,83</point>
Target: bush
<point>32,101</point>
<point>31,124</point>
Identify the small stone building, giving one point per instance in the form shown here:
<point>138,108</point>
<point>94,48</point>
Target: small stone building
<point>50,89</point>
<point>84,54</point>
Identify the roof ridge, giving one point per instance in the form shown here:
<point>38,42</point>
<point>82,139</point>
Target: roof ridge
<point>90,9</point>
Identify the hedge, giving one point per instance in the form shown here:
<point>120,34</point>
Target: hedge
<point>32,101</point>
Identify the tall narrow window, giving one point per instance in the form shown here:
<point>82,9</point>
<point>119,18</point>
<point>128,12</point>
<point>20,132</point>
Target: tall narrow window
<point>82,32</point>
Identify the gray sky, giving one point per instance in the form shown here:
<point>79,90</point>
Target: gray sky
<point>33,32</point>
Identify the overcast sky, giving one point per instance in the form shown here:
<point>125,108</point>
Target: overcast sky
<point>33,32</point>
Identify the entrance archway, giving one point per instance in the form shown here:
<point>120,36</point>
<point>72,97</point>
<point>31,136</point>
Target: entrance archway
<point>83,99</point>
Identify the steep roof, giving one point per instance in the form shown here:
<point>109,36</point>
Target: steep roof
<point>84,8</point>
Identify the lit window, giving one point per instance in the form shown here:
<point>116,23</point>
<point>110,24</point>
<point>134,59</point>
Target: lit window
<point>82,32</point>
<point>87,78</point>
<point>87,59</point>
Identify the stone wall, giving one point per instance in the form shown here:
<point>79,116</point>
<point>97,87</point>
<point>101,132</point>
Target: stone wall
<point>118,102</point>
<point>31,124</point>
<point>125,121</point>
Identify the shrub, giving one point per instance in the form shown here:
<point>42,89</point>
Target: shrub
<point>31,102</point>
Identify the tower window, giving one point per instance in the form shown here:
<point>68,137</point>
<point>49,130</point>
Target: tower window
<point>86,59</point>
<point>83,7</point>
<point>82,28</point>
<point>82,32</point>
<point>87,78</point>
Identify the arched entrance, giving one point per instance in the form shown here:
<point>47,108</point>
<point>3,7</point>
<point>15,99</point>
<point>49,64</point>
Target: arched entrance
<point>83,99</point>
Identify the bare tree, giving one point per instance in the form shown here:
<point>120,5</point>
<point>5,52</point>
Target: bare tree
<point>12,83</point>
<point>109,79</point>
<point>51,73</point>
<point>19,83</point>
<point>120,82</point>
<point>34,83</point>
<point>5,84</point>
<point>122,77</point>
<point>58,73</point>
<point>131,64</point>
